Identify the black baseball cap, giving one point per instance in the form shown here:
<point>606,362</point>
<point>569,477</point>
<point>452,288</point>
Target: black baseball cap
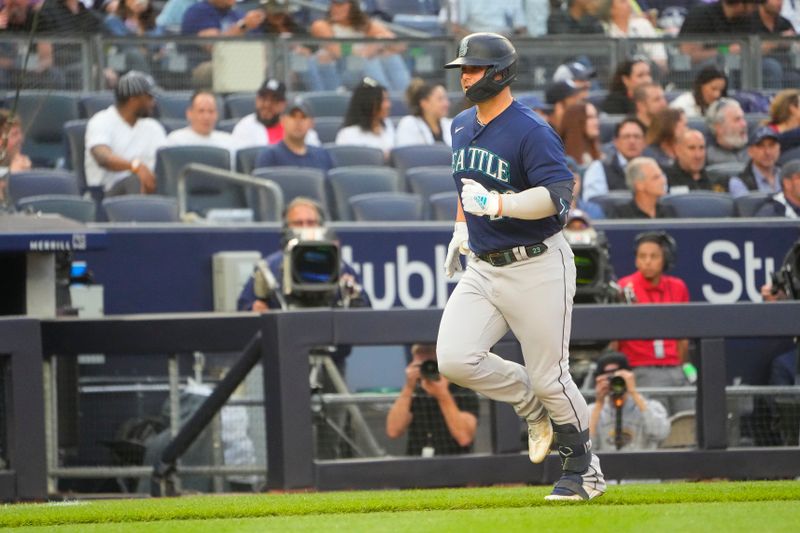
<point>764,132</point>
<point>560,90</point>
<point>611,358</point>
<point>298,104</point>
<point>574,70</point>
<point>274,88</point>
<point>534,102</point>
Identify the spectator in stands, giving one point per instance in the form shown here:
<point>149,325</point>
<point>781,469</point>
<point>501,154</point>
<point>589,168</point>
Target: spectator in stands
<point>648,99</point>
<point>627,76</point>
<point>644,422</point>
<point>264,126</point>
<point>440,417</point>
<point>762,172</point>
<point>609,175</point>
<point>709,85</point>
<point>506,17</point>
<point>366,122</point>
<point>576,72</point>
<point>579,206</point>
<point>728,127</point>
<point>561,95</point>
<point>648,184</point>
<point>428,122</point>
<point>202,116</point>
<point>723,18</point>
<point>791,10</point>
<point>216,18</point>
<point>121,141</point>
<point>171,16</point>
<point>620,22</point>
<point>787,202</point>
<point>301,214</point>
<point>662,135</point>
<point>656,363</point>
<point>784,115</point>
<point>381,62</point>
<point>11,140</point>
<point>580,131</point>
<point>535,103</point>
<point>688,173</point>
<point>293,150</point>
<point>767,20</point>
<point>580,17</point>
<point>135,18</point>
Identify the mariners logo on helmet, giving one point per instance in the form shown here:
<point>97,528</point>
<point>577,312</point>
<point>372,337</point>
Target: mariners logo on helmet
<point>492,51</point>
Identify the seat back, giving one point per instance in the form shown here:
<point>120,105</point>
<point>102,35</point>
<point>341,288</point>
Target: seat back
<point>609,201</point>
<point>427,181</point>
<point>43,116</point>
<point>141,208</point>
<point>386,207</point>
<point>721,173</point>
<point>683,431</point>
<point>700,204</point>
<point>327,128</point>
<point>789,155</point>
<point>203,192</point>
<point>246,159</point>
<point>345,155</point>
<point>41,181</point>
<point>172,124</point>
<point>749,204</point>
<point>423,155</point>
<point>327,103</point>
<point>297,181</point>
<point>443,206</point>
<point>75,137</point>
<point>74,207</point>
<point>607,125</point>
<point>346,182</point>
<point>91,103</point>
<point>239,105</point>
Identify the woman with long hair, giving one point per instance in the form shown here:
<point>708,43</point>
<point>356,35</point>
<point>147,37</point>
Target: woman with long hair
<point>135,18</point>
<point>366,122</point>
<point>580,131</point>
<point>381,62</point>
<point>620,22</point>
<point>709,85</point>
<point>627,76</point>
<point>662,135</point>
<point>784,118</point>
<point>428,122</point>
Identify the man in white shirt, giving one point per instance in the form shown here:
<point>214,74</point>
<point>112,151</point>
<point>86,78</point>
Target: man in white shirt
<point>121,141</point>
<point>264,126</point>
<point>202,116</point>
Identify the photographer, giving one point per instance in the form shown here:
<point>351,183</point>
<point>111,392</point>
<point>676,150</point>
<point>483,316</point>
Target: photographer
<point>621,418</point>
<point>440,417</point>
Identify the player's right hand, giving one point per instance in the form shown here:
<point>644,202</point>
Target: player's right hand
<point>457,246</point>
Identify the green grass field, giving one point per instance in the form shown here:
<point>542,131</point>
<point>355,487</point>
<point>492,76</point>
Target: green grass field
<point>677,507</point>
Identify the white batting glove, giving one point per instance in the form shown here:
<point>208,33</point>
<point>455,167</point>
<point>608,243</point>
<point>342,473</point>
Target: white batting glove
<point>477,200</point>
<point>457,246</point>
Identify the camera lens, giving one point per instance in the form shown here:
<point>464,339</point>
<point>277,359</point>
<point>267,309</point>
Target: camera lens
<point>429,370</point>
<point>617,386</point>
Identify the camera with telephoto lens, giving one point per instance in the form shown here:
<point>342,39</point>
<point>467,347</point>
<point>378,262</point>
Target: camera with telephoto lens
<point>787,279</point>
<point>429,370</point>
<point>311,267</point>
<point>617,387</point>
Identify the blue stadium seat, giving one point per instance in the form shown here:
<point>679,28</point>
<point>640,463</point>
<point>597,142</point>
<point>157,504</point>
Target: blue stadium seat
<point>345,155</point>
<point>443,206</point>
<point>75,137</point>
<point>41,181</point>
<point>246,159</point>
<point>701,204</point>
<point>399,105</point>
<point>327,128</point>
<point>612,199</point>
<point>239,105</point>
<point>174,104</point>
<point>74,207</point>
<point>91,103</point>
<point>141,208</point>
<point>297,181</point>
<point>327,103</point>
<point>747,205</point>
<point>607,125</point>
<point>423,155</point>
<point>43,116</point>
<point>203,193</point>
<point>172,124</point>
<point>386,207</point>
<point>227,124</point>
<point>789,155</point>
<point>346,182</point>
<point>427,181</point>
<point>721,173</point>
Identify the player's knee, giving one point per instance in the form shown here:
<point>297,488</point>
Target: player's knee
<point>452,362</point>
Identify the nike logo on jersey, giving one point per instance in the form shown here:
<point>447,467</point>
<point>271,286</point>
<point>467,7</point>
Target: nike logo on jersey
<point>481,160</point>
<point>459,128</point>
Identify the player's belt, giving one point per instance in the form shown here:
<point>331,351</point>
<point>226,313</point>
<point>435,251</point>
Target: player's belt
<point>512,255</point>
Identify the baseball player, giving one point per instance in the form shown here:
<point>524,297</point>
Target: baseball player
<point>515,188</point>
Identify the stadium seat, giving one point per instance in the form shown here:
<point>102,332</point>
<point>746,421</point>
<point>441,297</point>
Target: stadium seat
<point>346,182</point>
<point>203,193</point>
<point>721,173</point>
<point>700,204</point>
<point>41,181</point>
<point>172,104</point>
<point>789,155</point>
<point>345,155</point>
<point>609,201</point>
<point>423,155</point>
<point>141,208</point>
<point>386,207</point>
<point>74,207</point>
<point>297,181</point>
<point>443,206</point>
<point>91,103</point>
<point>75,137</point>
<point>327,103</point>
<point>172,124</point>
<point>747,205</point>
<point>607,125</point>
<point>43,116</point>
<point>327,128</point>
<point>227,124</point>
<point>246,159</point>
<point>399,103</point>
<point>427,181</point>
<point>699,124</point>
<point>683,431</point>
<point>239,105</point>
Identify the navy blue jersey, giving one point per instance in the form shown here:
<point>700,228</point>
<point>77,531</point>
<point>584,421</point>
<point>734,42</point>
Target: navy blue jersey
<point>517,150</point>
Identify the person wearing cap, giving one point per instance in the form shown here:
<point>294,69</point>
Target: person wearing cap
<point>263,127</point>
<point>121,140</point>
<point>202,115</point>
<point>762,172</point>
<point>560,95</point>
<point>580,17</point>
<point>644,421</point>
<point>728,126</point>
<point>576,72</point>
<point>787,202</point>
<point>292,150</point>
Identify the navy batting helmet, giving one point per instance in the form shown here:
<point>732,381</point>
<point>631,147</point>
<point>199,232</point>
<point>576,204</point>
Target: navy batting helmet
<point>487,50</point>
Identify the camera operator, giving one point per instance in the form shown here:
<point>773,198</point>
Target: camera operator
<point>621,418</point>
<point>440,417</point>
